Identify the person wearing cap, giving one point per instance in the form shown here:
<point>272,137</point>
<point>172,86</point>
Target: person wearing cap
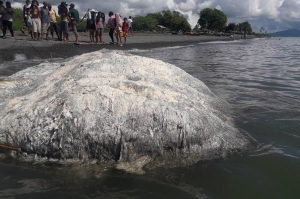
<point>25,7</point>
<point>8,20</point>
<point>74,15</point>
<point>45,19</point>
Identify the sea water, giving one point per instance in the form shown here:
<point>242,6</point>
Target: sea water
<point>259,78</point>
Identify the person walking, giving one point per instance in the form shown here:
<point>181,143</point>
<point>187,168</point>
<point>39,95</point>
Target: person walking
<point>74,16</point>
<point>8,20</point>
<point>111,24</point>
<point>45,19</point>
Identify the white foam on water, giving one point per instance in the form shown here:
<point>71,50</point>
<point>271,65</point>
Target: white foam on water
<point>160,49</point>
<point>139,50</point>
<point>222,42</point>
<point>20,57</point>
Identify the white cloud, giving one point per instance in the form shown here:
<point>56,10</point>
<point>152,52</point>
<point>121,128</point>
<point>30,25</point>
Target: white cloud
<point>187,6</point>
<point>268,13</point>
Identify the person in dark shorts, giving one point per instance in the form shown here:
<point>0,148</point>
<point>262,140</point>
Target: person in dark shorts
<point>45,19</point>
<point>111,24</point>
<point>53,22</point>
<point>92,27</point>
<point>8,20</point>
<point>25,7</point>
<point>64,17</point>
<point>74,15</point>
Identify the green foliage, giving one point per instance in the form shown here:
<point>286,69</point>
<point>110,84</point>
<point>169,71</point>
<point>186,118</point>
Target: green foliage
<point>244,27</point>
<point>144,23</point>
<point>230,27</point>
<point>82,24</point>
<point>172,20</point>
<point>18,19</point>
<point>212,19</point>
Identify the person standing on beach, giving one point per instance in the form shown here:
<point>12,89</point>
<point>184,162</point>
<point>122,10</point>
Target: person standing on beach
<point>25,7</point>
<point>2,11</point>
<point>74,15</point>
<point>130,26</point>
<point>29,22</point>
<point>118,29</point>
<point>8,20</point>
<point>63,13</point>
<point>99,28</point>
<point>45,19</point>
<point>92,27</point>
<point>53,22</point>
<point>36,21</point>
<point>125,29</point>
<point>103,19</point>
<point>111,24</point>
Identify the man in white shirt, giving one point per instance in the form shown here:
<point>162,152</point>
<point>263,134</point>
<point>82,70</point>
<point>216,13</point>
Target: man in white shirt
<point>130,30</point>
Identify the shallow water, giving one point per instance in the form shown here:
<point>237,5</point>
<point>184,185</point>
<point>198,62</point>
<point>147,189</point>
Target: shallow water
<point>259,78</point>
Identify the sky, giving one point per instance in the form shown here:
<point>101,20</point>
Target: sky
<point>273,15</point>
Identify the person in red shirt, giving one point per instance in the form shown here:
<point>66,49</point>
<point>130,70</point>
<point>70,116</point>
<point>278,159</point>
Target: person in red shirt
<point>125,29</point>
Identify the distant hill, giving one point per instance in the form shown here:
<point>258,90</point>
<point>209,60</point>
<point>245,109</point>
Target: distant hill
<point>286,33</point>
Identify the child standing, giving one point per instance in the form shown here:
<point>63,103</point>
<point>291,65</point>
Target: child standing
<point>125,29</point>
<point>99,28</point>
<point>29,21</point>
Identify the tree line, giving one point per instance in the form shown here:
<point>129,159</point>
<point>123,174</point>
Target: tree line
<point>172,20</point>
<point>215,20</point>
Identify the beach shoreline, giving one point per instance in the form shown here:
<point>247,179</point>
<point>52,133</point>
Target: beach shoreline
<point>23,45</point>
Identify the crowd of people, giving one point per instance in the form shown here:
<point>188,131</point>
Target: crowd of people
<point>39,21</point>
